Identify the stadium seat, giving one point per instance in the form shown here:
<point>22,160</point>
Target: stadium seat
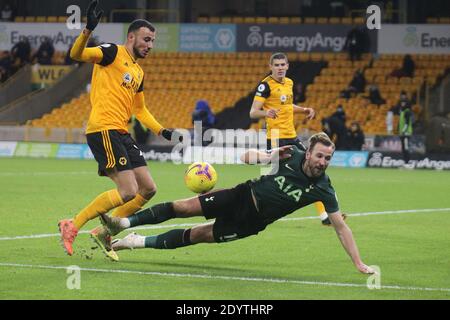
<point>237,20</point>
<point>309,20</point>
<point>214,20</point>
<point>346,20</point>
<point>52,19</point>
<point>334,20</point>
<point>432,20</point>
<point>41,19</point>
<point>273,20</point>
<point>30,19</point>
<point>284,20</point>
<point>261,20</point>
<point>225,20</point>
<point>19,19</point>
<point>445,20</point>
<point>322,20</point>
<point>202,20</point>
<point>358,20</point>
<point>249,20</point>
<point>296,20</point>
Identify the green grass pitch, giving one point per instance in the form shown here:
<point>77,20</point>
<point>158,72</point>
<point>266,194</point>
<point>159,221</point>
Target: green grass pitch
<point>296,258</point>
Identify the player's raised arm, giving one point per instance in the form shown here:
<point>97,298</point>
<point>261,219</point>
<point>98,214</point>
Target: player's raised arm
<point>345,235</point>
<point>79,52</point>
<point>254,156</point>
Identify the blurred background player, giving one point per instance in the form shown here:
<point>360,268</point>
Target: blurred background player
<point>116,94</point>
<point>274,102</point>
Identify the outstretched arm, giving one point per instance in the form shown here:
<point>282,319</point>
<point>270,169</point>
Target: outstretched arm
<point>254,156</point>
<point>348,242</point>
<point>79,51</point>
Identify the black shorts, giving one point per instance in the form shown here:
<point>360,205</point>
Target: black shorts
<point>112,149</point>
<point>286,142</point>
<point>235,213</point>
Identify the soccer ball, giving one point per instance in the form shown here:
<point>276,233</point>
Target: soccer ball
<point>200,177</point>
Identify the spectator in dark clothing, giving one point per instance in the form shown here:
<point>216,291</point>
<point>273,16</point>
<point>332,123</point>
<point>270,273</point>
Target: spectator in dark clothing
<point>5,66</point>
<point>21,54</point>
<point>45,53</point>
<point>355,137</point>
<point>403,103</point>
<point>7,13</point>
<point>407,69</point>
<point>335,127</point>
<point>358,82</point>
<point>374,95</point>
<point>299,93</point>
<point>354,44</point>
<point>204,114</point>
<point>408,66</point>
<point>3,74</point>
<point>357,85</point>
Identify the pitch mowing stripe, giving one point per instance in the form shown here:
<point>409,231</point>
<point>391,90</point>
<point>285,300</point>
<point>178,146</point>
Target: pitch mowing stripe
<point>165,226</point>
<point>222,277</point>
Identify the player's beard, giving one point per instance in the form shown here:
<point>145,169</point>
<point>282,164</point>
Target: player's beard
<point>137,54</point>
<point>315,171</point>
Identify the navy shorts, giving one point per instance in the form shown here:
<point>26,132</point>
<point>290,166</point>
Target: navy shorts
<point>235,213</point>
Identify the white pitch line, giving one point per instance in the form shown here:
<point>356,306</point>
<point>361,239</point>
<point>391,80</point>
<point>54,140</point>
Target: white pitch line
<point>43,173</point>
<point>222,277</point>
<point>165,226</point>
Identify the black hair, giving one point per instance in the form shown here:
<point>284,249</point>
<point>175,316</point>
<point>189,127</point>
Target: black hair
<point>139,23</point>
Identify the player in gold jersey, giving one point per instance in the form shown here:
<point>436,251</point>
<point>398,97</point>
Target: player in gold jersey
<point>274,102</point>
<point>116,94</point>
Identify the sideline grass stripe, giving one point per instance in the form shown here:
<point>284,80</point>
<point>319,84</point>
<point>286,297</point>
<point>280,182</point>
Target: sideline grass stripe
<point>223,277</point>
<point>360,214</point>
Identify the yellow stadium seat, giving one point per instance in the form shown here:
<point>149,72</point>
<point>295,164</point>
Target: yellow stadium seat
<point>225,20</point>
<point>445,20</point>
<point>249,20</point>
<point>285,20</point>
<point>273,20</point>
<point>334,20</point>
<point>52,19</point>
<point>432,20</point>
<point>296,20</point>
<point>19,19</point>
<point>62,19</point>
<point>261,20</point>
<point>202,19</point>
<point>346,20</point>
<point>41,19</point>
<point>322,20</point>
<point>237,20</point>
<point>358,20</point>
<point>214,20</point>
<point>309,20</point>
<point>30,19</point>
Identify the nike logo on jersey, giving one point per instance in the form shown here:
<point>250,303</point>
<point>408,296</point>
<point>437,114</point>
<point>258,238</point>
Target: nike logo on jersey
<point>289,167</point>
<point>209,199</point>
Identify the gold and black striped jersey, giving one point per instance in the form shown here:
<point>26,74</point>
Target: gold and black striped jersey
<point>279,96</point>
<point>116,80</point>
